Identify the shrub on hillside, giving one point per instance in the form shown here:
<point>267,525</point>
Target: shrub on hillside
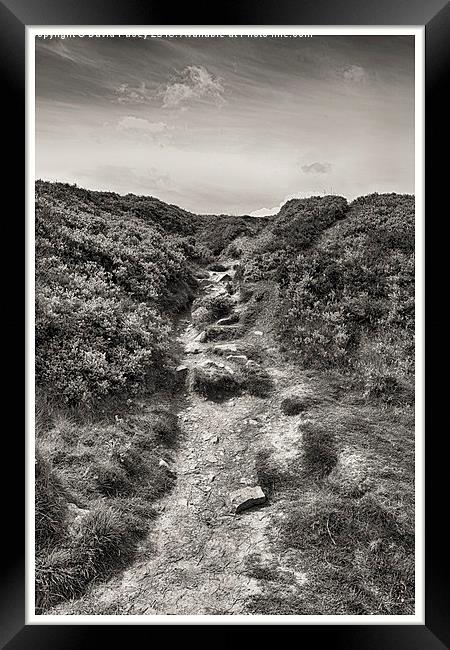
<point>296,227</point>
<point>103,276</point>
<point>348,301</point>
<point>345,299</point>
<point>217,232</point>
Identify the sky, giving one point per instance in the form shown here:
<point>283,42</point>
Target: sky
<point>227,125</point>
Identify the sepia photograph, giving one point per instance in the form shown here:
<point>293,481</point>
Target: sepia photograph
<point>225,326</point>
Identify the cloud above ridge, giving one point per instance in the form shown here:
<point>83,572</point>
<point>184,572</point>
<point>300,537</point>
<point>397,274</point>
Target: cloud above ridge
<point>317,168</point>
<point>194,83</point>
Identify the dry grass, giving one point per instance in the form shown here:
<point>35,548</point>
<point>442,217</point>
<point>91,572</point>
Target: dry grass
<point>346,506</point>
<point>105,542</point>
<point>112,470</point>
<point>50,505</point>
<point>295,405</point>
<point>256,380</point>
<point>320,455</point>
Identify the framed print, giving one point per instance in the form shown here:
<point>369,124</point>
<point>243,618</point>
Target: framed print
<point>226,279</point>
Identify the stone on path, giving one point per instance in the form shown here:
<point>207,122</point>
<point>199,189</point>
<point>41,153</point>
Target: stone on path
<point>227,320</point>
<point>247,497</point>
<point>201,338</point>
<point>223,348</point>
<point>192,348</point>
<point>258,332</point>
<point>182,371</point>
<point>237,358</point>
<point>224,277</point>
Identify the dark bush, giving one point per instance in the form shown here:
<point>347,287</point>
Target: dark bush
<point>106,268</point>
<point>344,300</point>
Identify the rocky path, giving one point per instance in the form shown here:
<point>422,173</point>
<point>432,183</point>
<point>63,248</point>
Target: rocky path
<point>194,560</point>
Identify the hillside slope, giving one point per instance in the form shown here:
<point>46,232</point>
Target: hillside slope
<point>344,280</point>
<point>306,335</point>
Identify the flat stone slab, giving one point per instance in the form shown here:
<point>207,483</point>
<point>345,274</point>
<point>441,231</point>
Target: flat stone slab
<point>225,347</point>
<point>237,358</point>
<point>247,497</point>
<point>227,320</point>
<point>192,348</point>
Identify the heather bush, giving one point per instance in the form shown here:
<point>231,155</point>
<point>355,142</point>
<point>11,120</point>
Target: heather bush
<point>105,272</point>
<point>345,280</point>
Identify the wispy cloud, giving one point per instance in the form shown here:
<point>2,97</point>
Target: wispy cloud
<point>355,74</point>
<point>64,50</point>
<point>194,83</point>
<point>317,168</point>
<point>126,94</point>
<point>139,125</point>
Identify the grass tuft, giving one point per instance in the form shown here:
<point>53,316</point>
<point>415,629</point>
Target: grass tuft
<point>50,505</point>
<point>294,405</point>
<point>256,380</point>
<point>319,450</point>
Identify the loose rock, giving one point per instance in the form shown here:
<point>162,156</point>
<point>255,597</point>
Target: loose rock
<point>238,358</point>
<point>192,348</point>
<point>182,371</point>
<point>247,497</point>
<point>225,347</point>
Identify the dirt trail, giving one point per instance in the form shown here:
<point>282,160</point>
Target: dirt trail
<point>195,558</point>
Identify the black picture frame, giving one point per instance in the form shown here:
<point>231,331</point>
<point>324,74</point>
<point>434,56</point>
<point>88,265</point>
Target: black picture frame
<point>15,15</point>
